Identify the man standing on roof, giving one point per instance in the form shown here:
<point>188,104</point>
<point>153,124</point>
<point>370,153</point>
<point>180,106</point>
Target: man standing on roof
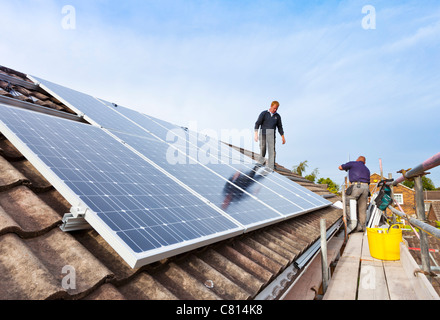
<point>269,121</point>
<point>359,176</point>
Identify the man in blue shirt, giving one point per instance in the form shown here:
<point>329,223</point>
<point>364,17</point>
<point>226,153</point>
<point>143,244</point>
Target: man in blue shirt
<point>269,121</point>
<point>359,176</point>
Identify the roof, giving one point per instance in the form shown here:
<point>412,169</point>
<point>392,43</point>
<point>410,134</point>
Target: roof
<point>433,195</point>
<point>414,248</point>
<point>38,260</point>
<point>435,209</point>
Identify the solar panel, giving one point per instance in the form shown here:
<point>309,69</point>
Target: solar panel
<point>284,196</point>
<point>242,206</point>
<point>238,196</point>
<point>252,208</point>
<point>280,193</point>
<point>142,212</point>
<point>275,181</point>
<point>223,152</point>
<point>91,108</point>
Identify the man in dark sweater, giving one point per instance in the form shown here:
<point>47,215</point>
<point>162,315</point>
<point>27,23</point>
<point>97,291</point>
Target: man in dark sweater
<point>269,121</point>
<point>359,176</point>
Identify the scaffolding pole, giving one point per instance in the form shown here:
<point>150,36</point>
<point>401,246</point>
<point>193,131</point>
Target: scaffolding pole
<point>430,163</point>
<point>416,174</point>
<point>420,208</point>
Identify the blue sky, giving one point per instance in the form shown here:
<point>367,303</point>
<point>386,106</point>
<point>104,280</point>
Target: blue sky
<point>344,90</point>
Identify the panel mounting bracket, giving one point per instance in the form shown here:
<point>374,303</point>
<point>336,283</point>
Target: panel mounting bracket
<point>72,223</point>
<point>75,220</point>
<point>78,211</point>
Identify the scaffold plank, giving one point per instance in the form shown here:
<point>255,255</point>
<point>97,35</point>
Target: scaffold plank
<point>344,281</point>
<point>372,281</point>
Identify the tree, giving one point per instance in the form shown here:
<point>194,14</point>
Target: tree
<point>331,186</point>
<point>313,176</point>
<point>301,168</point>
<point>426,182</point>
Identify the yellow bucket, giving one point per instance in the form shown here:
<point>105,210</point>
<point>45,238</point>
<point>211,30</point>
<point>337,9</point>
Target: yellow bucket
<point>384,243</point>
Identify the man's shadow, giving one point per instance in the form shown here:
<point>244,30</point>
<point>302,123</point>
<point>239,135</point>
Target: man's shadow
<point>236,186</point>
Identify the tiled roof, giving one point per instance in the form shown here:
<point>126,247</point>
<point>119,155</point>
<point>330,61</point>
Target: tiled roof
<point>432,195</point>
<point>434,245</point>
<point>38,260</point>
<point>435,207</point>
<point>11,86</point>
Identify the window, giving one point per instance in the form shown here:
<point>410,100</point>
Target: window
<point>427,206</point>
<point>399,198</point>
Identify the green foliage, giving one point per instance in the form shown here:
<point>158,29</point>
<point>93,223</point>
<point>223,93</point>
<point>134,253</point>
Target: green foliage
<point>408,183</point>
<point>331,186</point>
<point>313,176</point>
<point>301,168</point>
<point>427,183</point>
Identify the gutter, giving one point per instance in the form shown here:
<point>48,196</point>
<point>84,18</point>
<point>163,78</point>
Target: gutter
<point>288,278</point>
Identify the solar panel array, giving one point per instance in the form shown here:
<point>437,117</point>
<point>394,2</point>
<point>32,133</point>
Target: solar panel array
<point>150,188</point>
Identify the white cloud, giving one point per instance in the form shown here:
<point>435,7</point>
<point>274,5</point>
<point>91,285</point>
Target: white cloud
<point>424,36</point>
<point>336,82</point>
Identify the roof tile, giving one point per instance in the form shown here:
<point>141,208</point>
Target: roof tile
<point>106,292</point>
<point>268,252</point>
<point>7,224</point>
<point>278,247</point>
<point>37,182</point>
<point>32,215</point>
<point>292,240</point>
<point>22,274</point>
<point>66,258</point>
<point>8,151</point>
<point>259,275</point>
<point>144,287</point>
<point>247,280</point>
<point>9,176</point>
<point>91,240</point>
<point>183,285</point>
<point>271,265</point>
<point>213,279</point>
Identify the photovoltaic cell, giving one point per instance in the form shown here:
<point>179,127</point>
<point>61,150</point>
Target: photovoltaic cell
<point>141,211</point>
